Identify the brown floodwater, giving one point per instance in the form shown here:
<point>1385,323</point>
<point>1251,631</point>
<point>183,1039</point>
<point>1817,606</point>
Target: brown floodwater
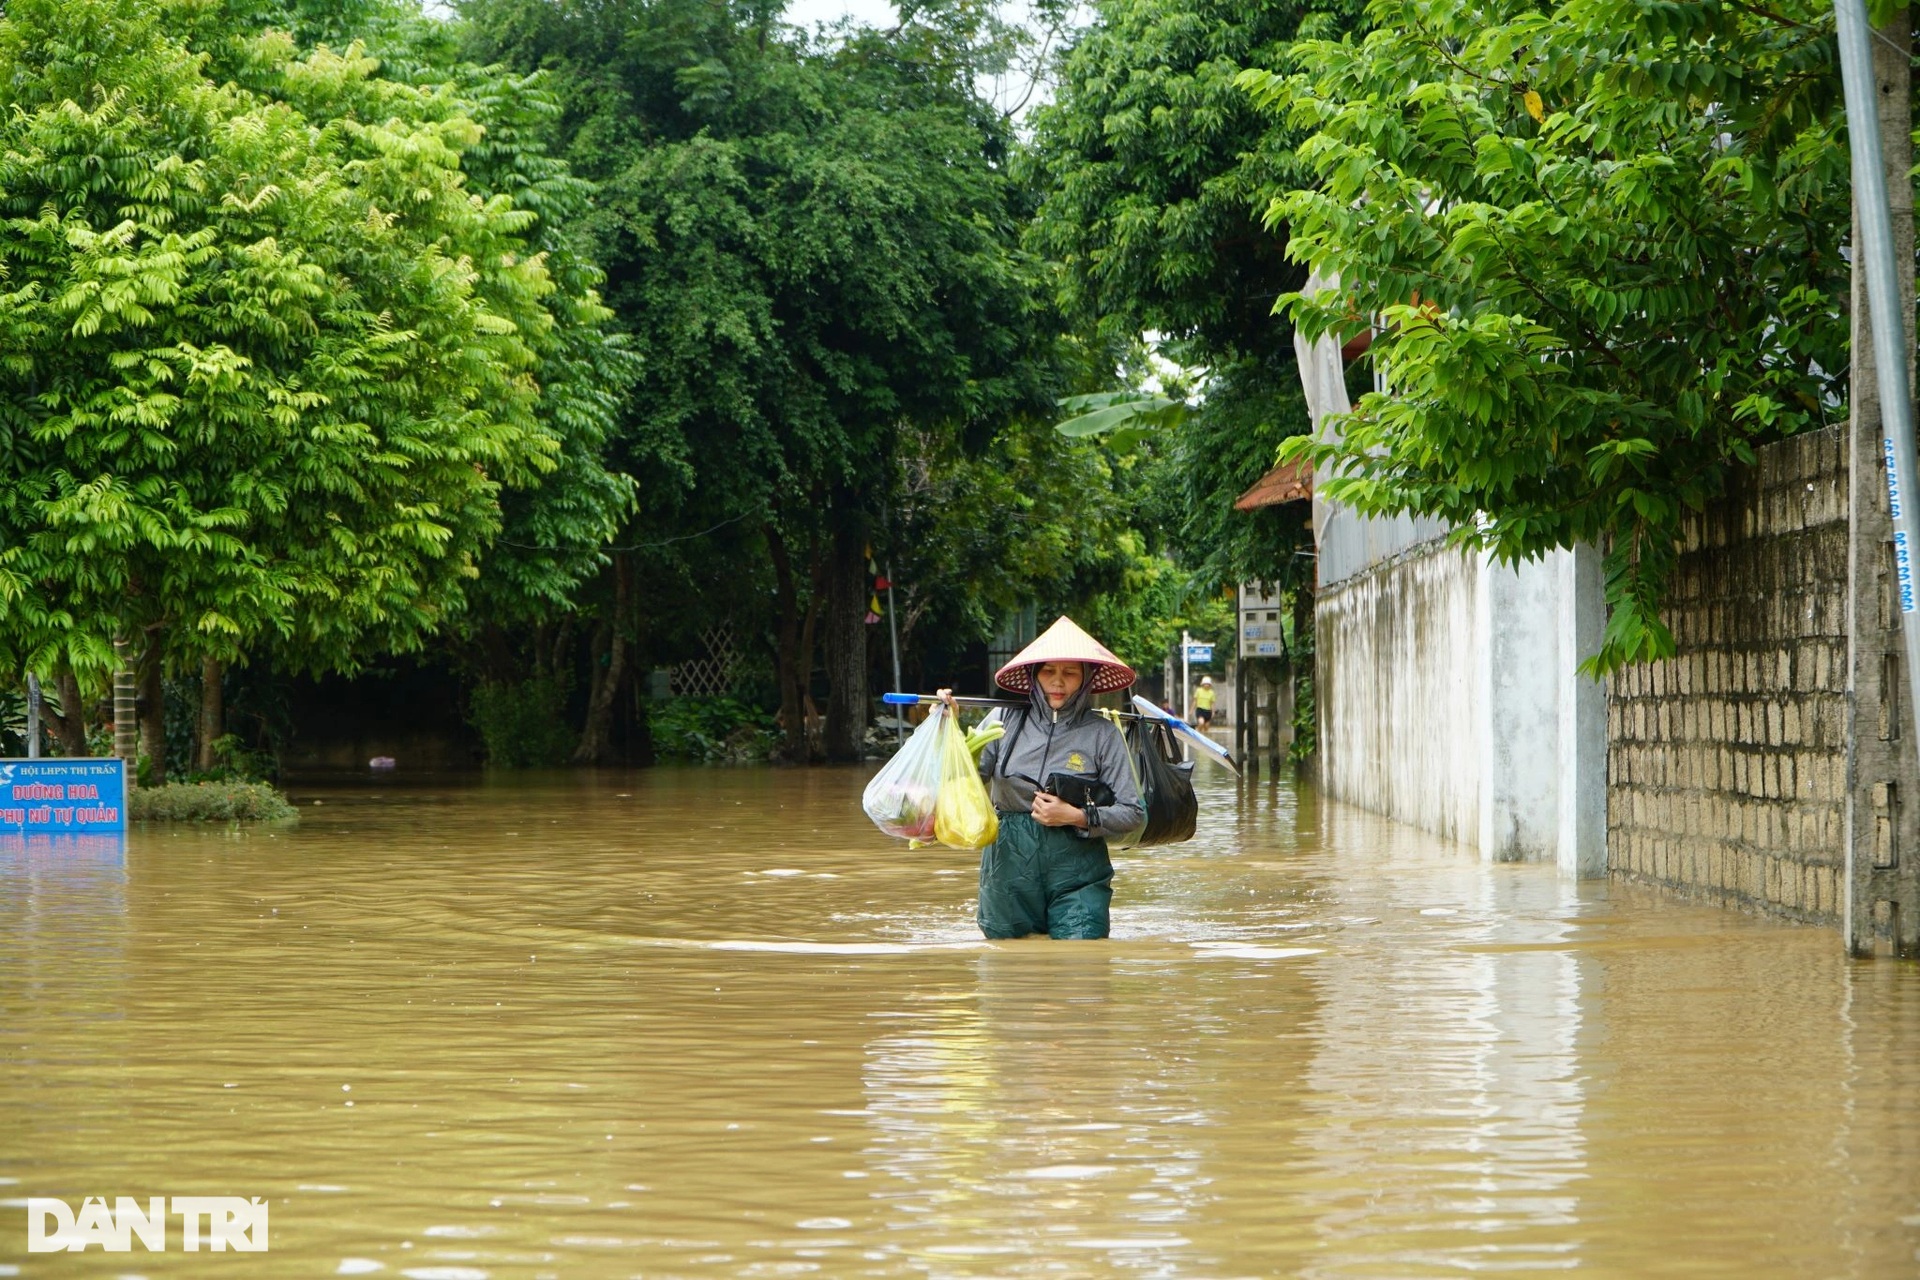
<point>709,1023</point>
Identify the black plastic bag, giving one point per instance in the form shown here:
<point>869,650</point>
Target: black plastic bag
<point>1166,785</point>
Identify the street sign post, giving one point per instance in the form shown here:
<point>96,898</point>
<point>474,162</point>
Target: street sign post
<point>1191,651</point>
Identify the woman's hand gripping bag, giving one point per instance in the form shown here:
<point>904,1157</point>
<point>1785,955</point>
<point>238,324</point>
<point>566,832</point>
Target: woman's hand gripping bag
<point>963,816</point>
<point>900,799</point>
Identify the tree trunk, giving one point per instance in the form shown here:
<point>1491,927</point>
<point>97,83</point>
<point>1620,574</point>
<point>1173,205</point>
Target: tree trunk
<point>69,725</point>
<point>786,651</point>
<point>153,712</point>
<point>562,660</point>
<point>126,713</point>
<point>810,646</point>
<point>213,713</point>
<point>846,637</point>
<point>609,673</point>
<point>536,663</point>
<point>640,742</point>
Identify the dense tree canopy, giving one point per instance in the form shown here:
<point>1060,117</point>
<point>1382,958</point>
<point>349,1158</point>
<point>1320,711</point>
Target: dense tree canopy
<point>816,250</point>
<point>1604,238</point>
<point>553,336</point>
<point>271,361</point>
<point>321,371</point>
<point>1155,168</point>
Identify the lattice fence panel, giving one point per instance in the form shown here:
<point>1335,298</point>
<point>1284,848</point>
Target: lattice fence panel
<point>712,675</point>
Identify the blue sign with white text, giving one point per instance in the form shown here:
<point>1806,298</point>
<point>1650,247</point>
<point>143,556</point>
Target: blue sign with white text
<point>1199,653</point>
<point>64,797</point>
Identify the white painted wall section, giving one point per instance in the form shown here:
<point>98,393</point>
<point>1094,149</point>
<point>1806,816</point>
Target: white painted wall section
<point>1398,691</point>
<point>1450,698</point>
<point>1581,848</point>
<point>1448,685</point>
<point>1518,655</point>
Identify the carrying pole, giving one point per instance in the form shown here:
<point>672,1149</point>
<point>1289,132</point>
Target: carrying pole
<point>1875,255</point>
<point>900,699</point>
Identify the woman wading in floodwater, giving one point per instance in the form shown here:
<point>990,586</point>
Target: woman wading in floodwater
<point>1048,872</point>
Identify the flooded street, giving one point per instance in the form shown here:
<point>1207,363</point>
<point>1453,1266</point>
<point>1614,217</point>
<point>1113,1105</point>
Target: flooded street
<point>709,1023</point>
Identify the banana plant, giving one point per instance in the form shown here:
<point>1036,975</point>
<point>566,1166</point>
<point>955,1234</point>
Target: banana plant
<point>1125,418</point>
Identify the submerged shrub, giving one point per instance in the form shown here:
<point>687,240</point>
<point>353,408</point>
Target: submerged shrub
<point>524,726</point>
<point>711,730</point>
<point>210,802</point>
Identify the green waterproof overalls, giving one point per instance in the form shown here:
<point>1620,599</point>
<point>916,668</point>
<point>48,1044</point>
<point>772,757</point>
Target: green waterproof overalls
<point>1036,879</point>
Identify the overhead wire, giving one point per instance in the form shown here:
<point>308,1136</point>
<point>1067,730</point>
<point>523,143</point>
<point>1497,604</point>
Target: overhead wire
<point>637,546</point>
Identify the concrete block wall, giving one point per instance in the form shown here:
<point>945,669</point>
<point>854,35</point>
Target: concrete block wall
<point>1727,764</point>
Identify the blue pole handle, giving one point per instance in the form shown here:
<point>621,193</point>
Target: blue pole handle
<point>901,699</point>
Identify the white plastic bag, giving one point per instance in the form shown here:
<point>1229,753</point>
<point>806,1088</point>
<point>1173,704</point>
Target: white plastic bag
<point>902,796</point>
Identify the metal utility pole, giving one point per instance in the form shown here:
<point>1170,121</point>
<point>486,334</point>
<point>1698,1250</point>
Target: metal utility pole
<point>1186,678</point>
<point>1882,896</point>
<point>1875,255</point>
<point>893,630</point>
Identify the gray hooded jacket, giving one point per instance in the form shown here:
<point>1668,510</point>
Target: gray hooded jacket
<point>1075,739</point>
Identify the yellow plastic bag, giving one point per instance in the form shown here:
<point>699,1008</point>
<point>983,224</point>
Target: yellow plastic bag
<point>963,816</point>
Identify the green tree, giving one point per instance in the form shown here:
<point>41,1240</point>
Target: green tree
<point>1029,520</point>
<point>551,557</point>
<point>1155,169</point>
<point>816,250</point>
<point>1604,238</point>
<point>270,363</point>
<point>554,530</point>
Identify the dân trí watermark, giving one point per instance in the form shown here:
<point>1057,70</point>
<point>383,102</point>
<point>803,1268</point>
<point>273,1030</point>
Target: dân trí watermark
<point>217,1223</point>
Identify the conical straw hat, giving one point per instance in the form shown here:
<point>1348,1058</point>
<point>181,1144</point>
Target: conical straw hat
<point>1064,641</point>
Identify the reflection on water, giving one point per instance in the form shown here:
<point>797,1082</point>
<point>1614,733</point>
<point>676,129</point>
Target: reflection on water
<point>709,1023</point>
<point>1448,1092</point>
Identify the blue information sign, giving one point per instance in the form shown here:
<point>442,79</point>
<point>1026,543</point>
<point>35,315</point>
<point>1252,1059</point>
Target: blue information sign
<point>65,797</point>
<point>1199,653</point>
